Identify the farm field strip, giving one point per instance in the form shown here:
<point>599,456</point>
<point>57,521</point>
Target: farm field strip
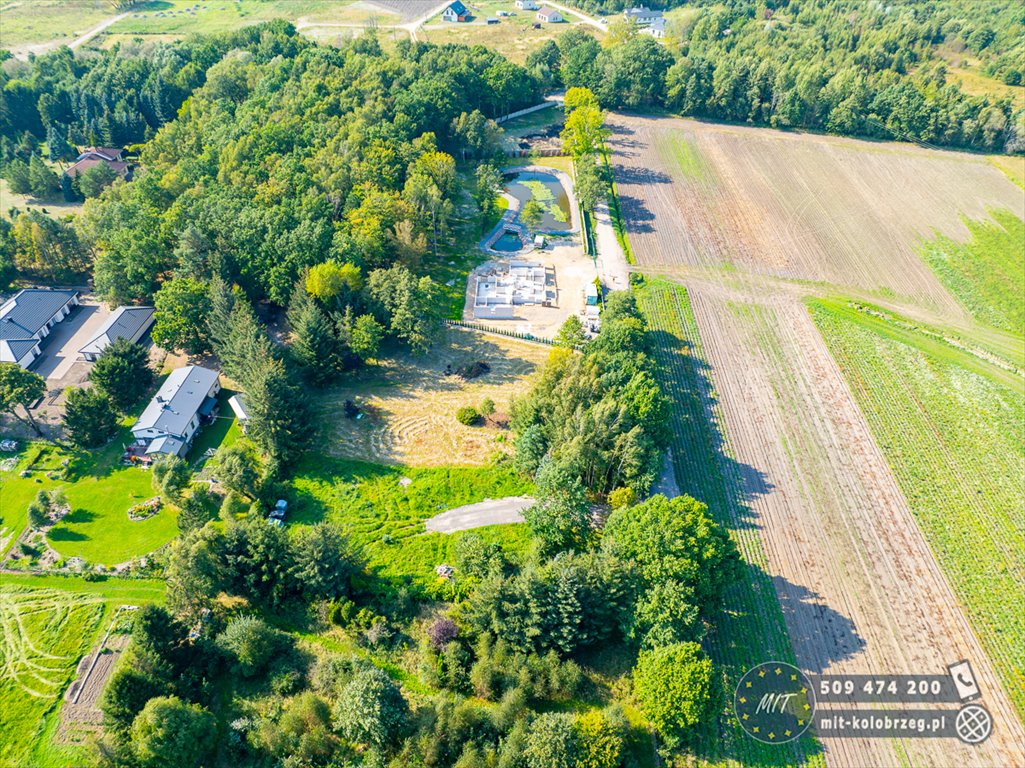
<point>953,439</point>
<point>814,208</point>
<point>753,627</point>
<point>858,587</point>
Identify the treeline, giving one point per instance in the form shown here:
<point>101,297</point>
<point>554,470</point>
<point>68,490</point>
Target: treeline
<point>116,97</point>
<point>828,65</point>
<point>330,154</point>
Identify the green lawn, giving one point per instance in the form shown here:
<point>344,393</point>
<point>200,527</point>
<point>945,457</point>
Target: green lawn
<point>950,427</point>
<point>987,273</point>
<point>44,21</point>
<point>369,502</point>
<point>111,590</point>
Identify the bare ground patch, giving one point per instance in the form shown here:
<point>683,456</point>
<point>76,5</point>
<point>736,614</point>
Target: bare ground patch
<point>409,403</point>
<point>805,207</point>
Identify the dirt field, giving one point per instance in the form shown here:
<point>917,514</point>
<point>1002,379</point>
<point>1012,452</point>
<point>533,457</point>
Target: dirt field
<point>731,211</point>
<point>815,208</point>
<point>411,403</point>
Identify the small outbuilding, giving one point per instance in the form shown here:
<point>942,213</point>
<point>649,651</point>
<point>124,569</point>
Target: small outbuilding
<point>527,5</point>
<point>124,323</point>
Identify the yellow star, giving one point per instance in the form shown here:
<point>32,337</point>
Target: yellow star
<point>793,678</point>
<point>743,700</point>
<point>779,671</point>
<point>800,722</point>
<point>745,717</point>
<point>786,733</point>
<point>755,729</point>
<point>772,735</point>
<point>807,707</point>
<point>748,684</point>
<point>761,673</point>
<point>803,689</point>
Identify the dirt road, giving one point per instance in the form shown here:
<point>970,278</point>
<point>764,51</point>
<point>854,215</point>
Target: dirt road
<point>85,37</point>
<point>490,512</point>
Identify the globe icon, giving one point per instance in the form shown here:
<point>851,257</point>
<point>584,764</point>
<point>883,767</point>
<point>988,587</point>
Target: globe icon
<point>973,724</point>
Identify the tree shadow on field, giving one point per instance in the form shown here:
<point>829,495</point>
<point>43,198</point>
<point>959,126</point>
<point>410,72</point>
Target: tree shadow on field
<point>702,463</point>
<point>819,634</point>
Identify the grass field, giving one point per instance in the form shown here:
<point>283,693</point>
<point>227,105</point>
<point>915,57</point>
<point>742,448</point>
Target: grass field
<point>752,629</point>
<point>953,437</point>
<point>43,634</point>
<point>100,492</point>
<point>986,273</point>
<point>43,21</point>
<point>386,517</point>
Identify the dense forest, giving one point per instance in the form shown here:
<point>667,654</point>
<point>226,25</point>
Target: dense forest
<point>845,67</point>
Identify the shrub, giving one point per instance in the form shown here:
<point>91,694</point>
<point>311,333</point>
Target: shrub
<point>442,631</point>
<point>487,406</point>
<point>468,415</point>
<point>624,496</point>
<point>678,692</point>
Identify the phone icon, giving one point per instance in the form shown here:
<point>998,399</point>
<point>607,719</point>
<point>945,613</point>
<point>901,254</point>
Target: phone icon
<point>964,680</point>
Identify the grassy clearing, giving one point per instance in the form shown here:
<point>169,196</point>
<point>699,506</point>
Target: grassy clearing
<point>113,591</point>
<point>386,518</point>
<point>752,629</point>
<point>45,21</point>
<point>986,274</point>
<point>953,436</point>
<point>43,634</point>
<point>683,156</point>
<point>1012,165</point>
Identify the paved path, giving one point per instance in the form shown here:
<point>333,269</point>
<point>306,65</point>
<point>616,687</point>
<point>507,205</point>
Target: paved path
<point>490,512</point>
<point>611,261</point>
<point>590,20</point>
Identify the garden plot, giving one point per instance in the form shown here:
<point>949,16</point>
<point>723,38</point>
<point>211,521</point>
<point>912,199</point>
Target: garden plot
<point>810,208</point>
<point>859,588</point>
<point>408,404</point>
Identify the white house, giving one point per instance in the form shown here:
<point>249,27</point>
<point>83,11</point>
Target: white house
<point>186,399</point>
<point>26,319</point>
<point>656,29</point>
<point>125,323</point>
<point>527,5</point>
<point>549,15</point>
<point>642,16</point>
<point>456,12</point>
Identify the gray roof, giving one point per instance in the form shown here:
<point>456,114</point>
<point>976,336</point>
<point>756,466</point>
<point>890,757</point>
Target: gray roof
<point>168,445</point>
<point>178,400</point>
<point>642,13</point>
<point>24,314</point>
<point>125,323</point>
<point>15,349</point>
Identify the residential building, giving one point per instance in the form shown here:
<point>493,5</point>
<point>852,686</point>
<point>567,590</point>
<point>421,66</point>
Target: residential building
<point>456,12</point>
<point>656,29</point>
<point>642,16</point>
<point>124,323</point>
<point>187,399</point>
<point>26,319</point>
<point>549,15</point>
<point>527,5</point>
<point>90,157</point>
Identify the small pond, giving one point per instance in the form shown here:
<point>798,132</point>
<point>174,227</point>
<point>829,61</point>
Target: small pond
<point>509,241</point>
<point>547,190</point>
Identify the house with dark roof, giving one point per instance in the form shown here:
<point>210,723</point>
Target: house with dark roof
<point>26,319</point>
<point>124,323</point>
<point>642,16</point>
<point>456,12</point>
<point>186,400</point>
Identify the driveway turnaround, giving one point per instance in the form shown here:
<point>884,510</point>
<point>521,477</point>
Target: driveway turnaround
<point>490,512</point>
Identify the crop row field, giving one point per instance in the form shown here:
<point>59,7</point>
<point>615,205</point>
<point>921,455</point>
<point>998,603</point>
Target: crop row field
<point>858,588</point>
<point>752,629</point>
<point>821,209</point>
<point>953,437</point>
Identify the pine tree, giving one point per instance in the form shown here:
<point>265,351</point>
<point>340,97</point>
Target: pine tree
<point>42,181</point>
<point>280,421</point>
<point>315,347</point>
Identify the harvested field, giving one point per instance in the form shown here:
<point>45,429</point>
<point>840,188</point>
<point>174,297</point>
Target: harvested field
<point>811,208</point>
<point>859,588</point>
<point>81,718</point>
<point>409,403</point>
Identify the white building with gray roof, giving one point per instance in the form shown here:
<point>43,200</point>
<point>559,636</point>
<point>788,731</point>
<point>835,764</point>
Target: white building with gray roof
<point>26,319</point>
<point>124,323</point>
<point>187,397</point>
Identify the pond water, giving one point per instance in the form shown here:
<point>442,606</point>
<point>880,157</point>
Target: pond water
<point>548,191</point>
<point>509,241</point>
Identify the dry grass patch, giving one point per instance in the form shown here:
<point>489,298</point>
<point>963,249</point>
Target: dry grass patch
<point>409,403</point>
